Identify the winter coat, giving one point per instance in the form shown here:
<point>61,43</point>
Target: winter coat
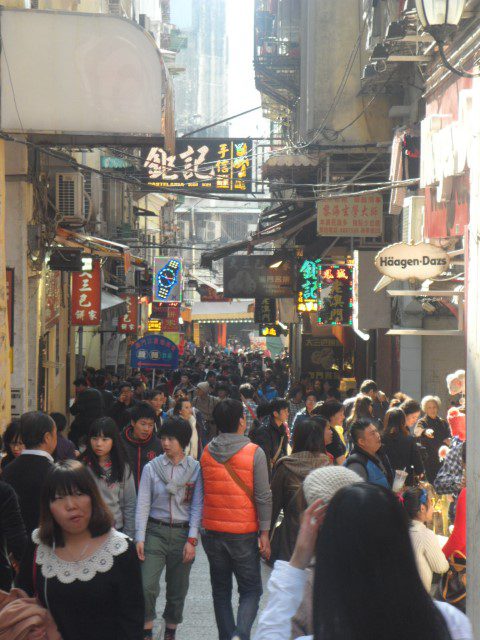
<point>287,495</point>
<point>272,439</point>
<point>86,409</point>
<point>140,452</point>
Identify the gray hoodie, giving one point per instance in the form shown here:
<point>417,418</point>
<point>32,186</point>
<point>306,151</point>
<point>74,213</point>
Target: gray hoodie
<point>225,446</point>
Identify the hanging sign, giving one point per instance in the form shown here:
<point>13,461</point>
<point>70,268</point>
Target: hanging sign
<point>154,325</point>
<point>169,314</point>
<point>86,297</point>
<point>335,294</point>
<point>214,165</point>
<point>167,279</point>
<point>359,216</point>
<point>322,357</point>
<point>250,277</point>
<point>154,352</point>
<point>128,322</point>
<point>307,285</point>
<point>265,311</point>
<point>421,261</point>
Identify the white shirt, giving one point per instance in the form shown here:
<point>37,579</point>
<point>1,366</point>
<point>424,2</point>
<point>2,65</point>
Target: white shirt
<point>38,452</point>
<point>286,586</point>
<point>429,556</point>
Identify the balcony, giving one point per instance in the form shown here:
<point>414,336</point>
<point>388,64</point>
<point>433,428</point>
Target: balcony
<point>277,55</point>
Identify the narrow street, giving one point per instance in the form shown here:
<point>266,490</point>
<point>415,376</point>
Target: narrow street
<point>199,619</point>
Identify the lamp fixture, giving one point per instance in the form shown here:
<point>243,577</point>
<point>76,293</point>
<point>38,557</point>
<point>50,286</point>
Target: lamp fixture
<point>369,71</point>
<point>380,52</point>
<point>441,18</point>
<point>396,30</point>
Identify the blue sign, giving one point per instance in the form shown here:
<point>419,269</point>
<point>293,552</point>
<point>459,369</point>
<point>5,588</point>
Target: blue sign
<point>167,279</point>
<point>154,352</point>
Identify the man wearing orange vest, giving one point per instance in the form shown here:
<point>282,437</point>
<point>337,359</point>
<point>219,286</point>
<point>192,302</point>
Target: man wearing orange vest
<point>237,511</point>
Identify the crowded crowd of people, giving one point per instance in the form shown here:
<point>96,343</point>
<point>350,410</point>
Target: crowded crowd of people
<point>338,494</point>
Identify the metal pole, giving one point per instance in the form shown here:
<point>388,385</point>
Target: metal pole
<point>153,378</point>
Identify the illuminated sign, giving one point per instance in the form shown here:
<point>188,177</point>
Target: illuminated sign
<point>270,330</point>
<point>335,294</point>
<point>154,325</point>
<point>208,164</point>
<point>265,310</point>
<point>307,285</point>
<point>167,280</point>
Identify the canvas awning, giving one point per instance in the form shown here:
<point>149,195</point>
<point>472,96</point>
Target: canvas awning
<point>112,306</point>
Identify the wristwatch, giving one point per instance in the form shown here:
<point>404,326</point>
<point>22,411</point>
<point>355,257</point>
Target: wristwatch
<point>192,541</point>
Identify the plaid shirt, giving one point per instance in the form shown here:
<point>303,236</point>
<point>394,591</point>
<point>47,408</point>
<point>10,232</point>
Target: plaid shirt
<point>449,478</point>
<point>248,414</point>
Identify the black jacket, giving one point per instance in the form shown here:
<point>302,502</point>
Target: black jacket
<point>121,413</point>
<point>404,453</point>
<point>379,463</point>
<point>13,537</point>
<point>140,452</point>
<point>269,437</point>
<point>86,409</point>
<point>26,474</point>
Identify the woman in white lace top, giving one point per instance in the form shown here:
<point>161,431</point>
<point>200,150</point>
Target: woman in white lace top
<point>85,572</point>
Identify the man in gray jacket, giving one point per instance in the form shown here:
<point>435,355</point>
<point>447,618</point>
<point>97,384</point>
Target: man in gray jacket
<point>237,511</point>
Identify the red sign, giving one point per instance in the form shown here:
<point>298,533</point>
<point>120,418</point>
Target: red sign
<point>169,315</point>
<point>10,302</point>
<point>86,297</point>
<point>53,283</point>
<point>128,322</point>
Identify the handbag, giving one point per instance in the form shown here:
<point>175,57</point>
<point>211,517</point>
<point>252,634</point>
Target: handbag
<point>453,585</point>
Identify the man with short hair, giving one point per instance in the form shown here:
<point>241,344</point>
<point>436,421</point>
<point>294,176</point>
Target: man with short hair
<point>27,473</point>
<point>141,443</point>
<point>380,404</point>
<point>366,458</point>
<point>247,392</point>
<point>205,403</point>
<point>185,385</point>
<point>272,435</point>
<point>236,519</point>
<point>107,396</point>
<point>120,410</point>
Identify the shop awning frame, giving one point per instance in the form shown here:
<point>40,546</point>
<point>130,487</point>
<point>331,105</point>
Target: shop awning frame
<point>98,246</point>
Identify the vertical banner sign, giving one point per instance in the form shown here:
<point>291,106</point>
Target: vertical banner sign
<point>335,294</point>
<point>167,279</point>
<point>265,311</point>
<point>10,302</point>
<point>307,279</point>
<point>128,322</point>
<point>53,284</point>
<point>86,297</point>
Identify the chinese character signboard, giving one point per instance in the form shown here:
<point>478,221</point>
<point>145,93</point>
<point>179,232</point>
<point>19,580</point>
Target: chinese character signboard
<point>250,277</point>
<point>360,216</point>
<point>335,294</point>
<point>53,283</point>
<point>265,311</point>
<point>307,280</point>
<point>86,297</point>
<point>154,352</point>
<point>167,279</point>
<point>154,325</point>
<point>207,164</point>
<point>128,322</point>
<point>322,357</point>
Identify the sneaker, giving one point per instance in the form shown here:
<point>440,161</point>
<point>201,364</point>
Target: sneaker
<point>169,634</point>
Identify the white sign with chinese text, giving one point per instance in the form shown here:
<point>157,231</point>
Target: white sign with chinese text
<point>360,216</point>
<point>421,261</point>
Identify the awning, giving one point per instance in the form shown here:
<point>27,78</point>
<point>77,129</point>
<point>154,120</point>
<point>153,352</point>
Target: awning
<point>282,165</point>
<point>98,246</point>
<point>212,312</point>
<point>112,306</point>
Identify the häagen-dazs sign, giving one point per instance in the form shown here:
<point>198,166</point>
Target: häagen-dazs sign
<point>404,261</point>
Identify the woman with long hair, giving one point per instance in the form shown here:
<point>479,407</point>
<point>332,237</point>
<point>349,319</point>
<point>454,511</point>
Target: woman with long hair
<point>333,412</point>
<point>308,453</point>
<point>366,585</point>
<point>12,444</point>
<point>401,448</point>
<point>106,457</point>
<point>86,573</point>
<point>418,503</point>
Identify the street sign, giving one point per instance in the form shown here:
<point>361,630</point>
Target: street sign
<point>421,261</point>
<point>86,297</point>
<point>322,357</point>
<point>154,352</point>
<point>250,277</point>
<point>358,216</point>
<point>335,294</point>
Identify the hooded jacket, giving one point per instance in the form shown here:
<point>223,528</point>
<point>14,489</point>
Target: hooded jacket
<point>140,452</point>
<point>222,449</point>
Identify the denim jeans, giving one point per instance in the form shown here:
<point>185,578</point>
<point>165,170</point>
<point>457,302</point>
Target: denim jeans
<point>234,555</point>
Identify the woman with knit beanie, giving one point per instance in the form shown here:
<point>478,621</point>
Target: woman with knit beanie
<point>308,453</point>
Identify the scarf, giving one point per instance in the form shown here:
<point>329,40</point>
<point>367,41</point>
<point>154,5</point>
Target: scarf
<point>177,485</point>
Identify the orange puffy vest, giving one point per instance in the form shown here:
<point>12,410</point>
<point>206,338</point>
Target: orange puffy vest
<point>226,506</point>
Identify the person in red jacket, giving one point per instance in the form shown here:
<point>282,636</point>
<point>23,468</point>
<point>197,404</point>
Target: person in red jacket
<point>458,539</point>
<point>237,510</point>
<point>141,442</point>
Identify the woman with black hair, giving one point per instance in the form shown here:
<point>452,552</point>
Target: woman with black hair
<point>12,444</point>
<point>366,585</point>
<point>85,573</point>
<point>401,448</point>
<point>308,453</point>
<point>333,412</point>
<point>87,408</point>
<point>418,503</point>
<point>106,457</point>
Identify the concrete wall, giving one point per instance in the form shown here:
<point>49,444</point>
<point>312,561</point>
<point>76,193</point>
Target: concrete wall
<point>330,29</point>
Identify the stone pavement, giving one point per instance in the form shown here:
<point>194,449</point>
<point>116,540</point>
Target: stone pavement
<point>199,619</point>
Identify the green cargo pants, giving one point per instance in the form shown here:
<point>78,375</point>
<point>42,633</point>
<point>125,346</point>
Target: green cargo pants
<point>164,549</point>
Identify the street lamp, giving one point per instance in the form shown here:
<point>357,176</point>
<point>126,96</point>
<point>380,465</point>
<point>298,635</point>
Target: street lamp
<point>441,18</point>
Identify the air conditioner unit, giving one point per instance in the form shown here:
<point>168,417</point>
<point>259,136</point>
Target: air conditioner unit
<point>69,197</point>
<point>413,219</point>
<point>213,230</point>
